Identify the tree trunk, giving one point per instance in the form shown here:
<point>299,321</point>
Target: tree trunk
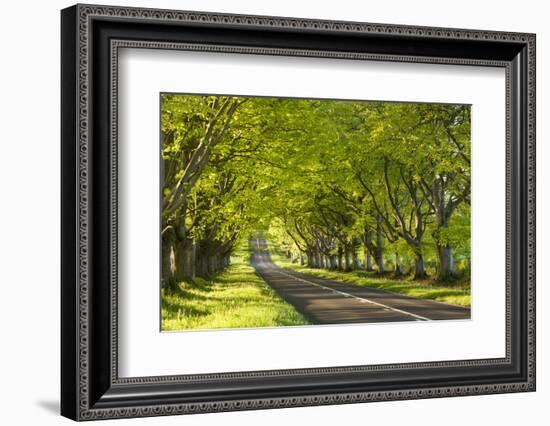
<point>309,259</point>
<point>340,254</point>
<point>212,265</point>
<point>443,214</point>
<point>368,248</point>
<point>380,259</point>
<point>379,248</point>
<point>419,270</point>
<point>446,262</point>
<point>314,259</point>
<point>302,262</point>
<point>167,259</point>
<point>167,279</point>
<point>398,268</point>
<point>320,260</point>
<point>185,253</point>
<point>333,262</point>
<point>202,266</point>
<point>347,259</point>
<point>368,260</point>
<point>355,261</point>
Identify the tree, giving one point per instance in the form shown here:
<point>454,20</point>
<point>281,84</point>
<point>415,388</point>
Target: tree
<point>448,183</point>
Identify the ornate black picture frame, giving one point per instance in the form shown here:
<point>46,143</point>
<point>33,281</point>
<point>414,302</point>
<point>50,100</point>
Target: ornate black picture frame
<point>91,388</point>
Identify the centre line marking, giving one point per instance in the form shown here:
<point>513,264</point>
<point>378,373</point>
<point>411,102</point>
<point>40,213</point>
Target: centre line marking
<point>418,317</point>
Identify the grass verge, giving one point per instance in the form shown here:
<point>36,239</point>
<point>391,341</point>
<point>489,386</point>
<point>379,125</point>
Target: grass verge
<point>235,298</point>
<point>456,293</point>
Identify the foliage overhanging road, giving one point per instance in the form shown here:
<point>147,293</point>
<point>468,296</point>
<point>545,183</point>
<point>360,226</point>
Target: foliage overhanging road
<point>325,301</point>
<point>379,186</point>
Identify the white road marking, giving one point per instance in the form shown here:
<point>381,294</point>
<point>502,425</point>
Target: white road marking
<point>362,299</point>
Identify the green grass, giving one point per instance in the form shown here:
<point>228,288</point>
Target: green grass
<point>457,293</point>
<point>235,298</point>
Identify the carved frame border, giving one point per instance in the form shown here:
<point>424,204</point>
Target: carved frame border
<point>85,13</point>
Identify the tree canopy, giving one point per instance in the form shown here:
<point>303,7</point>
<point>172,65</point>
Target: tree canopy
<point>337,184</point>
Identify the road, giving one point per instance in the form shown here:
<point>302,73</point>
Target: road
<point>324,301</point>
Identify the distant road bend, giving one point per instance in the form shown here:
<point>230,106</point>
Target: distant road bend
<point>324,301</point>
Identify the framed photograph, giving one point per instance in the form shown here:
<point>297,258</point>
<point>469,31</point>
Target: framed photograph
<point>263,212</point>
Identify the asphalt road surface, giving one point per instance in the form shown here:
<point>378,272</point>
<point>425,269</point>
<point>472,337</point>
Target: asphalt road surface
<point>324,301</point>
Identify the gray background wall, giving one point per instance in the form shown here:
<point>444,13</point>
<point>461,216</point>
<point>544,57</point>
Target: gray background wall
<point>29,211</point>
